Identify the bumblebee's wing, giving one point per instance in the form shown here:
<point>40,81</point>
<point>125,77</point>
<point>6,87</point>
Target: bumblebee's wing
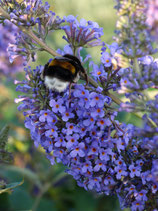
<point>76,63</point>
<point>58,60</point>
<point>63,63</point>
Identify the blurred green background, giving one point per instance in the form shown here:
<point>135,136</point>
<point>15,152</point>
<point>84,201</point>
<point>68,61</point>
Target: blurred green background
<point>47,187</point>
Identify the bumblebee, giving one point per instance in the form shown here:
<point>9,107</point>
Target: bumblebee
<point>63,71</point>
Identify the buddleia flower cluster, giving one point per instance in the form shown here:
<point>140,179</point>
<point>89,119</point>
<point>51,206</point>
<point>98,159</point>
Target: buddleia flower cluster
<point>141,73</point>
<point>139,77</point>
<point>80,129</point>
<point>82,33</point>
<point>151,9</point>
<point>131,29</point>
<point>7,36</point>
<point>101,153</point>
<point>34,20</point>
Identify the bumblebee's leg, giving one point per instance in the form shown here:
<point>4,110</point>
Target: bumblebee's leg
<point>70,85</point>
<point>85,75</point>
<point>46,96</point>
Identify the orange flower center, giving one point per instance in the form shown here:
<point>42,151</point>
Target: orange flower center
<point>154,186</point>
<point>94,149</point>
<point>91,119</point>
<point>93,133</point>
<point>71,127</point>
<point>101,122</point>
<point>98,73</point>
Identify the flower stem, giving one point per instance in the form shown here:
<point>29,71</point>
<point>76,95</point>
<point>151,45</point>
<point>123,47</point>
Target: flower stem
<point>45,188</point>
<point>39,41</point>
<point>136,66</point>
<point>4,13</point>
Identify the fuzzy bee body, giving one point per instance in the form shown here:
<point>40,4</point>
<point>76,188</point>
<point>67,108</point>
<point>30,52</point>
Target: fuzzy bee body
<point>61,72</point>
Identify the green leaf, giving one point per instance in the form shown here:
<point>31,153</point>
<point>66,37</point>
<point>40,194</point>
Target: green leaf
<point>4,155</point>
<point>9,187</point>
<point>20,200</point>
<point>27,173</point>
<point>46,204</point>
<point>4,201</point>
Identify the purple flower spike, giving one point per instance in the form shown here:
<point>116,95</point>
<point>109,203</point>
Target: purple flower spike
<point>82,33</point>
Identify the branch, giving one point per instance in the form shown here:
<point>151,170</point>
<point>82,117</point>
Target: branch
<point>4,13</point>
<point>39,41</point>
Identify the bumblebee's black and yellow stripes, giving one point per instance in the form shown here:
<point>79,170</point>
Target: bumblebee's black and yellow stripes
<point>62,71</point>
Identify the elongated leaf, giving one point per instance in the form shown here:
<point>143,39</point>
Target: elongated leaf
<point>9,187</point>
<point>33,177</point>
<point>5,156</point>
<point>4,136</point>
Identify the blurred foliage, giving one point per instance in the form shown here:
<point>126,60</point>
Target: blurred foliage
<point>47,187</point>
<point>5,156</point>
